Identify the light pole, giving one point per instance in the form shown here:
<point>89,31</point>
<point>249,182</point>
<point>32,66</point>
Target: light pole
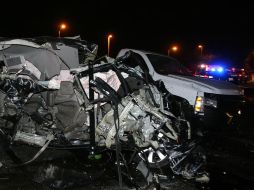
<point>201,47</point>
<point>61,27</point>
<point>109,37</point>
<point>173,48</point>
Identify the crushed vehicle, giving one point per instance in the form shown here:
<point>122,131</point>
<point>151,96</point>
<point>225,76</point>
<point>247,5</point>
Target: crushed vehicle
<point>204,101</point>
<point>55,95</point>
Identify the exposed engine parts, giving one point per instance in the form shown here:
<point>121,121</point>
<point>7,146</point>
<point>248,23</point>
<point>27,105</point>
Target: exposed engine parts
<point>48,105</point>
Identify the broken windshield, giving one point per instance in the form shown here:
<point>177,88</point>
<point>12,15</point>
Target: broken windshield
<point>165,65</point>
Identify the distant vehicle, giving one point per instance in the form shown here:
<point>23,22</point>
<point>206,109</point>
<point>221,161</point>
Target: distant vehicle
<point>238,76</point>
<point>212,71</point>
<point>218,72</point>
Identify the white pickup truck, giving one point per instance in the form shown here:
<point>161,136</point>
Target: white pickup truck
<point>209,100</point>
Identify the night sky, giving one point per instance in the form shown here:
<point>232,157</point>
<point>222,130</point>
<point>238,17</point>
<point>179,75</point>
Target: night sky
<point>225,29</point>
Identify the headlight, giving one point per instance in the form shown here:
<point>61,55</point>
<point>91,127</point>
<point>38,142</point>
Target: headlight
<point>199,104</point>
<point>210,102</point>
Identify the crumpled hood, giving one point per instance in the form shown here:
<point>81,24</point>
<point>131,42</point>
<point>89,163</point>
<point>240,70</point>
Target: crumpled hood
<point>209,85</point>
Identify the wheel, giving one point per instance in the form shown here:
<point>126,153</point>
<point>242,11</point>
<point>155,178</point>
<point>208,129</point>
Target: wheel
<point>155,158</point>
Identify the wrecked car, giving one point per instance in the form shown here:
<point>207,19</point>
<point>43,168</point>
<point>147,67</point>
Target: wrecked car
<point>205,102</point>
<point>56,94</point>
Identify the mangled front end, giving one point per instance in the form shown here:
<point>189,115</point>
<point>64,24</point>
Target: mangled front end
<point>138,118</point>
<point>51,97</point>
<point>160,138</point>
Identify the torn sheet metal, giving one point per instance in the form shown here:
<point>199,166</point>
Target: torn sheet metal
<point>7,44</point>
<point>135,116</point>
<point>45,61</point>
<point>135,122</point>
<point>60,54</point>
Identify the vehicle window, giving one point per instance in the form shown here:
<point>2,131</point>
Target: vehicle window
<point>165,65</point>
<point>136,61</point>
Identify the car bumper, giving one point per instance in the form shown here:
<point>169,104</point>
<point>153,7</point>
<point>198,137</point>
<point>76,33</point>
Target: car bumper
<point>228,113</point>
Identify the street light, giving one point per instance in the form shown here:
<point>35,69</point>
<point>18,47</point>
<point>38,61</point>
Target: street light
<point>173,48</point>
<point>61,27</point>
<point>201,47</point>
<point>109,37</point>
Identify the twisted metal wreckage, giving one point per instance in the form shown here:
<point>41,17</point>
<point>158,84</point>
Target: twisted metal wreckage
<point>54,94</point>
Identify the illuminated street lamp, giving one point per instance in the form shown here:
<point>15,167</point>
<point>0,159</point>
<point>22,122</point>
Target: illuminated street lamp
<point>109,37</point>
<point>61,27</point>
<point>201,47</point>
<point>173,48</point>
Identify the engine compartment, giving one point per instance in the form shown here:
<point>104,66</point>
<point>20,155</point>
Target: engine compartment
<point>92,104</point>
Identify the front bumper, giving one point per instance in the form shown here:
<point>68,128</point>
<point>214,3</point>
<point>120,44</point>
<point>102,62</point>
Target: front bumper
<point>228,112</point>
